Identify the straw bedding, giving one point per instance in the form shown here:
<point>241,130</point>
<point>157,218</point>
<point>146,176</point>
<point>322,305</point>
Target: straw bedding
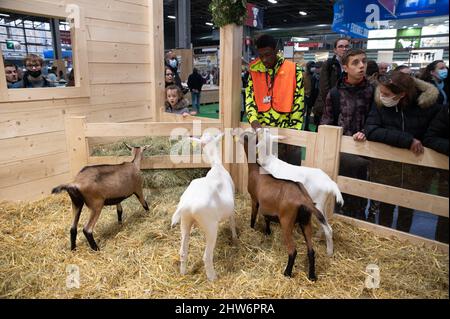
<point>140,258</point>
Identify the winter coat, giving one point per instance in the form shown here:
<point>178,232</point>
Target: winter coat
<point>179,108</point>
<point>330,74</point>
<point>355,101</point>
<point>195,82</point>
<point>436,136</point>
<point>398,126</point>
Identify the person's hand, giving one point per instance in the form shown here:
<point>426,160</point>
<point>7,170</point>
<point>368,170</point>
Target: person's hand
<point>359,137</point>
<point>416,147</point>
<point>255,125</point>
<point>185,114</point>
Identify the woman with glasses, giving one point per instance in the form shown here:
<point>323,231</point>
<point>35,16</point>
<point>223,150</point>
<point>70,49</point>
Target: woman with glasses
<point>399,117</point>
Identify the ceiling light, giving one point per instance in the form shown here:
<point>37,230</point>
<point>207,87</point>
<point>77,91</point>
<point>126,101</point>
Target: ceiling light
<point>209,23</point>
<point>4,15</point>
<point>303,13</point>
<point>446,21</point>
<point>415,25</point>
<point>431,24</point>
<point>172,17</point>
<point>273,1</point>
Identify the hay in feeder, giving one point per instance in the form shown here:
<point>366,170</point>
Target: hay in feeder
<point>140,258</point>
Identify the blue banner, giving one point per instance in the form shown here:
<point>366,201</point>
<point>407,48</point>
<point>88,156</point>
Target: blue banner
<point>351,15</point>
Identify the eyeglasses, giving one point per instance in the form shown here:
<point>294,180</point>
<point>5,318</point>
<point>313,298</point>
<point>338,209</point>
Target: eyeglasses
<point>32,65</point>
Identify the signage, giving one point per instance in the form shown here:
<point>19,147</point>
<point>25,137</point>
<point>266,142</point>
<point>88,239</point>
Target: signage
<point>254,16</point>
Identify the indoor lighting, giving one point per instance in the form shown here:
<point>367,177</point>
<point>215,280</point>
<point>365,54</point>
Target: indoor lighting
<point>4,15</point>
<point>209,23</point>
<point>273,1</point>
<point>415,25</point>
<point>172,17</point>
<point>303,13</point>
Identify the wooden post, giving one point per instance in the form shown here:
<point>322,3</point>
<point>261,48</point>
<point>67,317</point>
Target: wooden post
<point>156,45</point>
<point>327,156</point>
<point>77,146</point>
<point>231,37</point>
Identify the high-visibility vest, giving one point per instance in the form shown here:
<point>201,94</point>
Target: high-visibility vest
<point>281,92</point>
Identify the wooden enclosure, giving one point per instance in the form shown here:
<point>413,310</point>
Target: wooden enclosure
<point>45,133</point>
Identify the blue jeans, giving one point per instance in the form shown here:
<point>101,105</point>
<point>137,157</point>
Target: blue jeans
<point>196,101</point>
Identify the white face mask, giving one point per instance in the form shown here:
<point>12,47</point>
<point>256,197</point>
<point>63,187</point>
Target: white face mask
<point>389,101</point>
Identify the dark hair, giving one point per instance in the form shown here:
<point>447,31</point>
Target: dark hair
<point>340,39</point>
<point>426,75</point>
<point>372,68</point>
<point>33,57</point>
<point>350,53</point>
<point>8,64</point>
<point>399,82</point>
<point>265,41</point>
<point>401,67</point>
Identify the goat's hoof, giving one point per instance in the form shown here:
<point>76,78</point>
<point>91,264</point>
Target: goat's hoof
<point>312,277</point>
<point>288,273</point>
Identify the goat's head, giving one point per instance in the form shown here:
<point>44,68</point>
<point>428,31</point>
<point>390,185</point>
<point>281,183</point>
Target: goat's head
<point>210,145</point>
<point>136,151</point>
<point>265,140</point>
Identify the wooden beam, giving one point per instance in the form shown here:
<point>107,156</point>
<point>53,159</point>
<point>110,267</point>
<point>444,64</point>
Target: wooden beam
<point>152,162</point>
<point>437,205</point>
<point>143,129</point>
<point>429,158</point>
<point>392,233</point>
<point>77,146</point>
<point>156,44</point>
<point>231,37</point>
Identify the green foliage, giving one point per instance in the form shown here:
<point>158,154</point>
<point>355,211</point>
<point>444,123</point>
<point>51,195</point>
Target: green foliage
<point>228,11</point>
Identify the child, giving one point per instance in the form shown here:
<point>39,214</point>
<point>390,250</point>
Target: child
<point>175,102</point>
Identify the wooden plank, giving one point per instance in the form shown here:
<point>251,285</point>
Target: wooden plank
<point>106,52</point>
<point>230,90</point>
<point>115,35</point>
<point>29,123</point>
<point>437,205</point>
<point>77,146</point>
<point>171,117</point>
<point>3,84</point>
<point>392,233</point>
<point>33,190</point>
<point>109,73</point>
<point>45,93</point>
<point>115,93</point>
<point>28,170</point>
<point>152,162</point>
<point>187,61</point>
<point>42,8</point>
<point>26,147</point>
<point>143,129</point>
<point>429,158</point>
<point>116,24</point>
<point>155,12</point>
<point>35,106</point>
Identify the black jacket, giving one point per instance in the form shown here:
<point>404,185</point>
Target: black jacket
<point>436,136</point>
<point>398,126</point>
<point>195,81</point>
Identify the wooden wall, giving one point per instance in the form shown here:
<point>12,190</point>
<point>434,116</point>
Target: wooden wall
<point>33,156</point>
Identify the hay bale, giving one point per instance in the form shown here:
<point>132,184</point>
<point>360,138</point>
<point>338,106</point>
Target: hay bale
<point>140,258</point>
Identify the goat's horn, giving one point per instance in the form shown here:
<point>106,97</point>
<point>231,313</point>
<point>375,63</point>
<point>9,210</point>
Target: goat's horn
<point>128,146</point>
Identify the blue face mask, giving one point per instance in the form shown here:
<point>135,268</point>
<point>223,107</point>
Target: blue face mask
<point>173,63</point>
<point>443,73</point>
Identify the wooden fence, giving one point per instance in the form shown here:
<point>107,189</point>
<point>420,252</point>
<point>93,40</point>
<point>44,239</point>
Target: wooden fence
<point>322,151</point>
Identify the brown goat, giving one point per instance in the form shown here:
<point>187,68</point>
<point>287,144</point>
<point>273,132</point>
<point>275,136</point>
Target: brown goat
<point>282,200</point>
<point>100,185</point>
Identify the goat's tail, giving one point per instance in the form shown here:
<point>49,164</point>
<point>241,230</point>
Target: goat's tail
<point>176,216</point>
<point>73,191</point>
<point>328,231</point>
<point>335,190</point>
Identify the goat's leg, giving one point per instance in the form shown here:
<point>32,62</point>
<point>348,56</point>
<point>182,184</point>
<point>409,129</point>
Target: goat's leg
<point>287,226</point>
<point>268,231</point>
<point>255,207</point>
<point>140,195</point>
<point>211,237</point>
<point>119,213</point>
<point>89,227</point>
<point>185,226</point>
<point>307,232</point>
<point>233,228</point>
<point>76,210</point>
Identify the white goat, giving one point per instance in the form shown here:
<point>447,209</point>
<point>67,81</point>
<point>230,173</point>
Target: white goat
<point>318,184</point>
<point>206,202</point>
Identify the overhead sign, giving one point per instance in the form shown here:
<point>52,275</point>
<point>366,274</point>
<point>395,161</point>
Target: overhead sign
<point>364,15</point>
<point>255,16</point>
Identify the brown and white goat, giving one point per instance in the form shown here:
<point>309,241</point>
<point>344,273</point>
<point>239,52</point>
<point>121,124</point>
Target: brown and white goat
<point>282,200</point>
<point>103,185</point>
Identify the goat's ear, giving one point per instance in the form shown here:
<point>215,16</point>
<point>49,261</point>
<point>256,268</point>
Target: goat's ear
<point>145,147</point>
<point>128,146</point>
<point>219,137</point>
